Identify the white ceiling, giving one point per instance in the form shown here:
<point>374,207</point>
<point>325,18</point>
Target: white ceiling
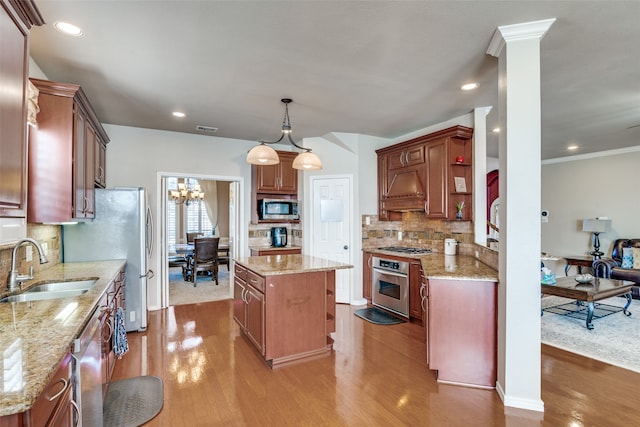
<point>382,68</point>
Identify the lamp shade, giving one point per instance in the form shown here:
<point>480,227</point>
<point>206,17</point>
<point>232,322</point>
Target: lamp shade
<point>262,155</point>
<point>596,225</point>
<point>307,161</point>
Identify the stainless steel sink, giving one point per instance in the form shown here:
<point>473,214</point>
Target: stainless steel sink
<point>63,286</point>
<point>44,295</point>
<point>53,290</point>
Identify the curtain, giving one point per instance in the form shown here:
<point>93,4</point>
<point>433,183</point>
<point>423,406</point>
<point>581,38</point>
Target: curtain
<point>210,189</point>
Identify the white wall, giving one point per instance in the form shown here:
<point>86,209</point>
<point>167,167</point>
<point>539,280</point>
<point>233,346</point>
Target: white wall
<point>588,186</point>
<point>136,156</point>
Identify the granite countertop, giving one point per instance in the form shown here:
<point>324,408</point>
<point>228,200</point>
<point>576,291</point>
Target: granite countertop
<point>42,340</point>
<point>271,248</point>
<point>439,266</point>
<point>272,265</point>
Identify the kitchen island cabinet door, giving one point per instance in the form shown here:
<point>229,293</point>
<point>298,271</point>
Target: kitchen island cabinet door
<point>255,318</point>
<point>239,305</point>
<point>296,316</point>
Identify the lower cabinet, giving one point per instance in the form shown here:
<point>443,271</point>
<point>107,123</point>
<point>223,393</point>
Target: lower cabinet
<point>248,311</point>
<point>415,282</point>
<point>461,331</point>
<point>286,317</point>
<point>55,406</point>
<point>367,265</point>
<point>109,304</point>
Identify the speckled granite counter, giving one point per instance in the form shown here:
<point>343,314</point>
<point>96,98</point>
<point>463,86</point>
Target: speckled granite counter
<point>272,265</point>
<point>271,248</point>
<point>439,266</point>
<point>43,339</point>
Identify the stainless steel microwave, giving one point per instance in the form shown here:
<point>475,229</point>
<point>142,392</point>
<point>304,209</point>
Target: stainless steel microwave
<point>278,209</point>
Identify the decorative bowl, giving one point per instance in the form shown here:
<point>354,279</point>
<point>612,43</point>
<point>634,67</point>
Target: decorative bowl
<point>584,278</point>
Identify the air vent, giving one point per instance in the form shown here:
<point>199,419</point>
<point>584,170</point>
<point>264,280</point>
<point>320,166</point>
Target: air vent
<point>206,128</point>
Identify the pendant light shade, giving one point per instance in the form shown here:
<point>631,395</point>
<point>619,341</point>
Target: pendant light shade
<point>265,155</point>
<point>307,161</point>
<point>262,155</point>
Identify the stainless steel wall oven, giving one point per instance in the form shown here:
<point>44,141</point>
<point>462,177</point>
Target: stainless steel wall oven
<point>390,285</point>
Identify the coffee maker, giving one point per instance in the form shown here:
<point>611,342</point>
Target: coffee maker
<point>278,237</point>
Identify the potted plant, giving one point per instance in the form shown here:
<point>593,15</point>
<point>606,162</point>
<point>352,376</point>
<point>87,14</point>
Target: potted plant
<point>459,207</point>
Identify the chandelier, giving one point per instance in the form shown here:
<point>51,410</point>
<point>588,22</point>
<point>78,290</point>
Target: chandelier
<point>186,194</point>
<point>262,154</point>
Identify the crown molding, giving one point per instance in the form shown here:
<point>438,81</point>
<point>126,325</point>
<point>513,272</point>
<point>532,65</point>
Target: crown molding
<point>526,30</point>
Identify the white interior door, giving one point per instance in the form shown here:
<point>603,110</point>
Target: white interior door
<point>331,228</point>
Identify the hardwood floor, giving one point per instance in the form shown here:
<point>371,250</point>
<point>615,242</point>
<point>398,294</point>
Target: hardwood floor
<point>377,375</point>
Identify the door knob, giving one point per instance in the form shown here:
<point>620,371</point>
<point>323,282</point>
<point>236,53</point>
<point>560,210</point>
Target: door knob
<point>345,247</point>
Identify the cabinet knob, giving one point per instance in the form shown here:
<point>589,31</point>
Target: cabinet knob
<point>345,247</point>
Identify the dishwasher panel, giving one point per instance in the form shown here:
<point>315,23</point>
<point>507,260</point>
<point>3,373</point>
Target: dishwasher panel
<point>87,373</point>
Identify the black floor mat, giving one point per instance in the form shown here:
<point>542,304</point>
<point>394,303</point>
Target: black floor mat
<point>378,316</point>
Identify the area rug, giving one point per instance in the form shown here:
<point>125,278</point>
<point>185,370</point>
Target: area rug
<point>181,292</point>
<point>377,316</point>
<point>133,401</point>
<point>615,338</point>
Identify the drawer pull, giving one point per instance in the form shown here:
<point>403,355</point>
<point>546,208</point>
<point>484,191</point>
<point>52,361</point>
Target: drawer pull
<point>65,384</point>
<point>75,408</point>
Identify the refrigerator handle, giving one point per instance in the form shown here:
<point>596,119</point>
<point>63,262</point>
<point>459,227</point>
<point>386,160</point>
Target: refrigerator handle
<point>150,274</point>
<point>149,233</point>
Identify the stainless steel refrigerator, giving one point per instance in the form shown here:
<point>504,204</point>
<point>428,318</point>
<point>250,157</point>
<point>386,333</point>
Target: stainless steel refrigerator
<point>122,229</point>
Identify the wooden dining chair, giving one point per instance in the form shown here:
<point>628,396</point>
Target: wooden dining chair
<point>192,236</point>
<point>205,258</point>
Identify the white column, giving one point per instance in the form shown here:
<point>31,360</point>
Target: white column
<point>480,173</point>
<point>518,49</point>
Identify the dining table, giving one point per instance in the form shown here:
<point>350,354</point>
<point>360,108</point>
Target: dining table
<point>187,249</point>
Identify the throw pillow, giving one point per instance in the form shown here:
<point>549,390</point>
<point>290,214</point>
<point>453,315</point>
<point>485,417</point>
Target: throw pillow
<point>636,257</point>
<point>627,258</point>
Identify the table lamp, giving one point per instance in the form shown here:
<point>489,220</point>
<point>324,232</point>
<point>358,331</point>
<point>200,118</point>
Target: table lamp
<point>596,226</point>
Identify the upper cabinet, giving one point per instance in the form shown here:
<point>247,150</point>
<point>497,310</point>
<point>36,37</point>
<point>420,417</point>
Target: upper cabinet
<point>278,181</point>
<point>63,153</point>
<point>16,18</point>
<point>280,178</point>
<point>421,175</point>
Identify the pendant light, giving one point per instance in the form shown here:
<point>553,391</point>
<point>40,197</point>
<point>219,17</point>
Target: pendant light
<point>262,154</point>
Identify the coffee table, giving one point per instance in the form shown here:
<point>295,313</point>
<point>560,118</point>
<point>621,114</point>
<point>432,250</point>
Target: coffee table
<point>598,289</point>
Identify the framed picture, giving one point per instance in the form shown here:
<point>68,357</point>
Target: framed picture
<point>460,183</point>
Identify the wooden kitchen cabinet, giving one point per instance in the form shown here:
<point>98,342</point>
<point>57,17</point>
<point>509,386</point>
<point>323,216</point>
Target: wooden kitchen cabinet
<point>101,164</point>
<point>55,406</point>
<point>248,305</point>
<point>62,155</point>
<point>418,175</point>
<point>265,307</point>
<point>462,331</point>
<point>112,300</point>
<point>16,19</point>
<point>367,285</point>
<point>280,178</point>
<point>415,300</point>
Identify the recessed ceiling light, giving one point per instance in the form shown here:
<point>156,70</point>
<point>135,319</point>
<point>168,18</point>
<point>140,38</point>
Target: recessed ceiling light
<point>572,147</point>
<point>469,86</point>
<point>496,130</point>
<point>69,29</point>
<point>178,114</point>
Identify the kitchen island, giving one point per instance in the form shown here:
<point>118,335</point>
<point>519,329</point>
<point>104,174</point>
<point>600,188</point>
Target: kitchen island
<point>40,333</point>
<point>285,305</point>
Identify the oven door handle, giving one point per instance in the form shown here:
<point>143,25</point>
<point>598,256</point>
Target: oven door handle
<point>390,273</point>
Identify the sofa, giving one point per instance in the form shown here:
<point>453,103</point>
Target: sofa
<point>612,267</point>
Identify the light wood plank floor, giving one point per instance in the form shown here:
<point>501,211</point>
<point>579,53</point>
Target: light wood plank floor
<point>376,376</point>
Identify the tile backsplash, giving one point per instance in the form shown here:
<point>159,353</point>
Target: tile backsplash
<point>47,235</point>
<point>260,234</point>
<point>416,230</point>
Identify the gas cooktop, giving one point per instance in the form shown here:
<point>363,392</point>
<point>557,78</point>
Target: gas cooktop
<point>406,250</point>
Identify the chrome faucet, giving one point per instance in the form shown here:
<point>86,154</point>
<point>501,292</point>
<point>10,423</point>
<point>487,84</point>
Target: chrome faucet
<point>15,279</point>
